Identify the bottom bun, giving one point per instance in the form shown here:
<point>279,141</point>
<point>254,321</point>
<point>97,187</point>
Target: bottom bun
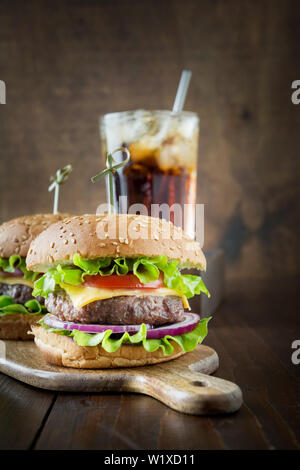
<point>17,326</point>
<point>63,351</point>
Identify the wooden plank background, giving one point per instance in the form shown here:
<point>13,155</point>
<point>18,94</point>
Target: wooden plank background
<point>66,63</point>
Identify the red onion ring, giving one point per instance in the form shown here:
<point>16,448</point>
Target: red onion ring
<point>54,322</point>
<point>17,273</point>
<point>175,329</point>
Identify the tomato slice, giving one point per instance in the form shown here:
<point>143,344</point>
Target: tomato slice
<point>128,281</point>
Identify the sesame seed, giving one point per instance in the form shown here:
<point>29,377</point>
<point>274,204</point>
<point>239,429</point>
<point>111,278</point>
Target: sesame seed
<point>73,241</point>
<point>52,245</point>
<point>66,242</point>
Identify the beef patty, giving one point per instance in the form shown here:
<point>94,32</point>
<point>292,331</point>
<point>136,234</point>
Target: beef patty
<point>19,293</point>
<point>123,310</point>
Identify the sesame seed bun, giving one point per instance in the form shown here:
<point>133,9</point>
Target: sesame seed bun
<point>117,235</point>
<point>63,351</point>
<point>17,234</point>
<point>17,326</point>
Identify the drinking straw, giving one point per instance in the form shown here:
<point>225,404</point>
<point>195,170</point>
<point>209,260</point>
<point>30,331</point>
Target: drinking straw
<point>111,168</point>
<point>182,91</point>
<point>177,108</point>
<point>60,177</point>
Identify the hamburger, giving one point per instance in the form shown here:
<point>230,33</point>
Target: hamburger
<point>18,308</point>
<point>115,292</point>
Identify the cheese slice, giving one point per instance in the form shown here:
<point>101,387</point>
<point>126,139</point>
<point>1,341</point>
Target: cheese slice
<point>81,296</point>
<point>16,280</point>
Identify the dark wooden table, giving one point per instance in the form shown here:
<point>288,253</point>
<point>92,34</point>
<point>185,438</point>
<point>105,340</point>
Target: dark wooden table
<point>252,331</point>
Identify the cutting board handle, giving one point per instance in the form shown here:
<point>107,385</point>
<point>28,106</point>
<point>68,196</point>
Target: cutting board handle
<point>188,391</point>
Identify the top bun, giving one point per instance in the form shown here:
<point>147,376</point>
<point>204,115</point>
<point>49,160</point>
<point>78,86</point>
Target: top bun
<point>17,234</point>
<point>97,236</point>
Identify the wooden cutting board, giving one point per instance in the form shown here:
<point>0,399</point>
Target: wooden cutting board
<point>182,384</point>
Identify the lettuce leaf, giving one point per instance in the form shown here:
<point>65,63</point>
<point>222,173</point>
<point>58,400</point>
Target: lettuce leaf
<point>145,268</point>
<point>9,265</point>
<point>8,307</point>
<point>187,342</point>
